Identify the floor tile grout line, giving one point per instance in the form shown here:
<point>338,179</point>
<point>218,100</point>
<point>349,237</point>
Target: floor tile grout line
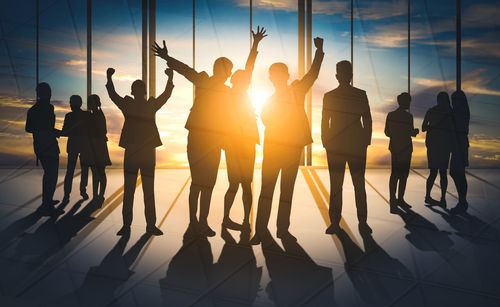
<point>483,180</point>
<point>150,241</point>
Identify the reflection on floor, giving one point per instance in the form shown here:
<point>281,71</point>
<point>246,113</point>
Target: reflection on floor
<point>419,257</point>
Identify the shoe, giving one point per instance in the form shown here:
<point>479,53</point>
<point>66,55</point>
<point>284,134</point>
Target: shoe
<point>431,201</point>
<point>442,203</point>
<point>459,208</point>
<point>153,230</point>
<point>286,236</point>
<point>205,230</point>
<point>84,195</point>
<point>255,239</point>
<point>393,205</point>
<point>65,198</point>
<point>403,204</point>
<point>332,229</point>
<point>228,223</point>
<point>364,228</point>
<point>124,231</point>
<point>54,202</point>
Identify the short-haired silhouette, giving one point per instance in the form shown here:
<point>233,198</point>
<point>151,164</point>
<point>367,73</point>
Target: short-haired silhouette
<point>460,154</point>
<point>208,130</point>
<point>74,128</point>
<point>140,138</point>
<point>240,150</point>
<point>40,122</point>
<point>96,154</point>
<point>287,132</point>
<point>346,131</point>
<point>399,128</point>
<point>439,140</point>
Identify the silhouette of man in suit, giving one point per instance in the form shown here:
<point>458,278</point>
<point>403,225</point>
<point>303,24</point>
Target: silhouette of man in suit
<point>208,131</point>
<point>74,129</point>
<point>287,132</point>
<point>346,130</point>
<point>40,122</point>
<point>140,138</point>
<point>399,128</point>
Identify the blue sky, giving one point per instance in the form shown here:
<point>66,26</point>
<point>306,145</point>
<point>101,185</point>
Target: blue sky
<point>222,29</point>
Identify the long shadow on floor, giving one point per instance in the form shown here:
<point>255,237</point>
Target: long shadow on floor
<point>295,278</point>
<point>103,280</point>
<point>376,276</point>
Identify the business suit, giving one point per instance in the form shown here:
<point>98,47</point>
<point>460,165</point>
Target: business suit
<point>140,138</point>
<point>75,129</point>
<point>345,139</point>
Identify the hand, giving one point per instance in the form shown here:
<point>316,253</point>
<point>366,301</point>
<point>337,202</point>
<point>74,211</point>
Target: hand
<point>257,37</point>
<point>170,73</point>
<point>161,52</point>
<point>110,72</point>
<point>318,43</point>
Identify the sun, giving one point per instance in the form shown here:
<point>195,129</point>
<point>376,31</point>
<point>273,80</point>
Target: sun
<point>259,98</point>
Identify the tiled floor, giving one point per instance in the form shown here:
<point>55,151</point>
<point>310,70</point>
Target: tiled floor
<point>424,257</point>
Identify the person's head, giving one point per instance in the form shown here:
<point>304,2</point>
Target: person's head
<point>404,100</point>
<point>443,100</point>
<point>93,102</point>
<point>222,68</point>
<point>239,80</point>
<point>75,102</point>
<point>138,89</point>
<point>43,91</point>
<point>458,100</point>
<point>278,74</point>
<point>344,72</point>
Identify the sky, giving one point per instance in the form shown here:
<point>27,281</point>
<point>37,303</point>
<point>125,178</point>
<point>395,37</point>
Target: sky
<point>222,29</point>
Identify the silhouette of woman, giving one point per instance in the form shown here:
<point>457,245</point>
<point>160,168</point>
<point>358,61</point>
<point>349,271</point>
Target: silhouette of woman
<point>98,155</point>
<point>439,142</point>
<point>240,151</point>
<point>460,154</point>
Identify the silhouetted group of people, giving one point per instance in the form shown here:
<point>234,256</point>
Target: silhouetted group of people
<point>222,118</point>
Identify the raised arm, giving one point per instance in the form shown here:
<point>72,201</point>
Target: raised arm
<point>189,73</point>
<point>307,81</point>
<point>257,37</point>
<point>117,99</point>
<point>367,121</point>
<point>162,99</point>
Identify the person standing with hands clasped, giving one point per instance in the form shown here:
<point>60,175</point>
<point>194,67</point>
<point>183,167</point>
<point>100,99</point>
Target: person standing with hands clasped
<point>140,138</point>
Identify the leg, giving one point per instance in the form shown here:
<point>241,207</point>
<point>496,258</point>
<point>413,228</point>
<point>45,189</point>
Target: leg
<point>393,180</point>
<point>357,167</point>
<point>443,181</point>
<point>270,172</point>
<point>336,169</point>
<point>211,168</point>
<point>103,181</point>
<point>233,173</point>
<point>70,171</point>
<point>194,194</point>
<point>50,167</point>
<point>148,186</point>
<point>429,184</point>
<point>404,172</point>
<point>288,177</point>
<point>84,178</point>
<point>130,170</point>
<point>247,202</point>
<point>95,182</point>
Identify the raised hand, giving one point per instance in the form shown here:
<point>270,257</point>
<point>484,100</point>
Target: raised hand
<point>159,51</point>
<point>257,37</point>
<point>170,73</point>
<point>110,72</point>
<point>318,43</point>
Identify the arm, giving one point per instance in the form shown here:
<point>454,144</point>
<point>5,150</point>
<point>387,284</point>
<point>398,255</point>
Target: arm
<point>367,121</point>
<point>29,125</point>
<point>325,124</point>
<point>387,129</point>
<point>117,99</point>
<point>56,132</point>
<point>257,37</point>
<point>162,99</point>
<point>189,73</point>
<point>414,130</point>
<point>65,128</point>
<point>425,123</point>
<point>307,81</point>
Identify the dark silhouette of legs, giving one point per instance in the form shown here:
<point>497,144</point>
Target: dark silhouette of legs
<point>194,194</point>
<point>147,169</point>
<point>357,167</point>
<point>228,203</point>
<point>288,177</point>
<point>247,204</point>
<point>130,174</point>
<point>50,167</point>
<point>460,180</point>
<point>429,184</point>
<point>70,171</point>
<point>336,168</point>
<point>443,181</point>
<point>84,180</point>
<point>99,181</point>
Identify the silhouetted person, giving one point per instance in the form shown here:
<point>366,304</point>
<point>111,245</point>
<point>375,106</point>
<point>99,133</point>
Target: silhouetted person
<point>287,132</point>
<point>346,131</point>
<point>97,151</point>
<point>207,125</point>
<point>74,129</point>
<point>140,138</point>
<point>439,141</point>
<point>460,154</point>
<point>240,150</point>
<point>399,128</point>
<point>40,122</point>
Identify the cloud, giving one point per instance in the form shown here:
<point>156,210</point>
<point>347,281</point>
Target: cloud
<point>394,35</point>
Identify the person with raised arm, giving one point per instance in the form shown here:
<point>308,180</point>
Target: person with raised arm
<point>140,138</point>
<point>208,131</point>
<point>287,132</point>
<point>240,151</point>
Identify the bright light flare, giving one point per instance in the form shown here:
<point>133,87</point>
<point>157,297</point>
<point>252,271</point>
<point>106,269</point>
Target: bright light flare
<point>259,97</point>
